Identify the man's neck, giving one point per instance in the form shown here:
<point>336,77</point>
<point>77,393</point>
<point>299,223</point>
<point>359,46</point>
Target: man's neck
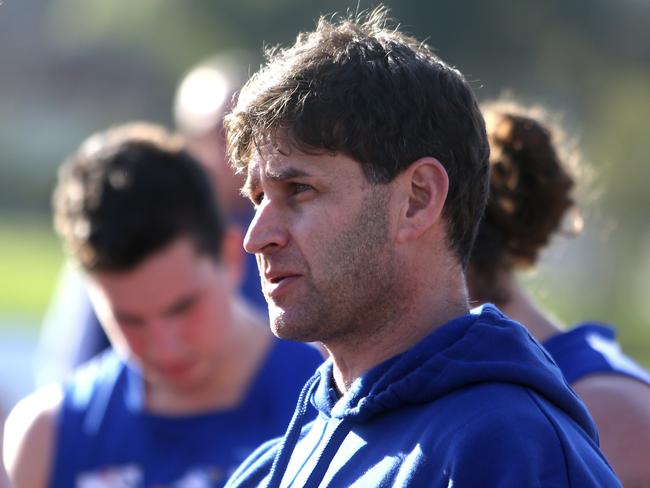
<point>426,311</point>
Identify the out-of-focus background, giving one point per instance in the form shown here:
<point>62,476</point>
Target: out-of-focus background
<point>71,67</point>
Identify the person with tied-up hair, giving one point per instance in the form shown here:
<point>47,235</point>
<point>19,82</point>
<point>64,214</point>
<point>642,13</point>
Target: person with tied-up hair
<point>532,186</point>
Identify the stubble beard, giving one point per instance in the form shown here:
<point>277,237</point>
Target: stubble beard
<point>355,298</point>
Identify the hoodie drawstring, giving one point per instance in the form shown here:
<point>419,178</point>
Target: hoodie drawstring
<point>331,448</point>
<point>293,432</point>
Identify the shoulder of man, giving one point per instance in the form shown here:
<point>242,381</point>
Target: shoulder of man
<point>29,437</point>
<point>518,438</point>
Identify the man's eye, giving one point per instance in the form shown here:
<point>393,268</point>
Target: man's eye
<point>257,198</point>
<point>301,187</point>
<point>182,307</point>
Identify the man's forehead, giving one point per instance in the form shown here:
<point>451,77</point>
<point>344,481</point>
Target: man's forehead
<point>275,166</point>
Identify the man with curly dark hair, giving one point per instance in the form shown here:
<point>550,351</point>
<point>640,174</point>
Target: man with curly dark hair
<point>367,160</point>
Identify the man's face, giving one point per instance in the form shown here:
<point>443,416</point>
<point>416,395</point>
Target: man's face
<point>171,314</point>
<point>324,245</point>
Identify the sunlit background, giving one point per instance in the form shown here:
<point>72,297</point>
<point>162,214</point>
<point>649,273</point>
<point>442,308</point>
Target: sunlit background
<point>71,67</point>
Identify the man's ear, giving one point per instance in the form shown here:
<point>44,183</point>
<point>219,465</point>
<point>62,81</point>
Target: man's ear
<point>232,254</point>
<point>424,186</point>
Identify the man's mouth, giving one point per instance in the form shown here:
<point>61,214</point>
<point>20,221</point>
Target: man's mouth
<point>275,277</point>
<point>276,283</point>
<point>176,370</point>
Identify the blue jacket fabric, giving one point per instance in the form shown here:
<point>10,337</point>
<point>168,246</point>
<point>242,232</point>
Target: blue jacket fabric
<point>106,438</point>
<point>477,403</point>
<point>591,348</point>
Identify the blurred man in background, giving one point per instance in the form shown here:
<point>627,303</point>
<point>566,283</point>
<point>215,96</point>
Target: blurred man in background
<point>204,95</point>
<point>194,380</point>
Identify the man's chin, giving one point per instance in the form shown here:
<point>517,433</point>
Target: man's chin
<point>292,330</point>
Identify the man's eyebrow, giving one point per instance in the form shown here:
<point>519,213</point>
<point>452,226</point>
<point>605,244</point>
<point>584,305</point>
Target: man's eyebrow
<point>285,174</point>
<point>253,180</point>
<point>180,305</point>
<point>121,316</point>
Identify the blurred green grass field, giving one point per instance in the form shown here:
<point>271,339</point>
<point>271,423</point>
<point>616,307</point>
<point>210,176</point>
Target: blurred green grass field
<point>30,260</point>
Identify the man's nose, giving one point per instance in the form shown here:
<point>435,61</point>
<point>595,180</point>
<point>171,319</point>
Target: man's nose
<point>267,231</point>
<point>164,339</point>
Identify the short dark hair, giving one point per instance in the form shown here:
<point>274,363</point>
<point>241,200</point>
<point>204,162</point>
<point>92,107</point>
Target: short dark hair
<point>377,95</point>
<point>130,191</point>
<point>531,188</point>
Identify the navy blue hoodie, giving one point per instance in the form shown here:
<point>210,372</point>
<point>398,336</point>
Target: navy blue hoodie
<point>477,403</point>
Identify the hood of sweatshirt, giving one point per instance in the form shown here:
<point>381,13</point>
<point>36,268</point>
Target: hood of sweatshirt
<point>483,346</point>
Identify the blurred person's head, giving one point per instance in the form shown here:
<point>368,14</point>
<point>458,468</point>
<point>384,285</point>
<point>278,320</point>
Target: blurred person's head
<point>531,188</point>
<point>366,157</point>
<point>203,97</point>
<point>138,213</point>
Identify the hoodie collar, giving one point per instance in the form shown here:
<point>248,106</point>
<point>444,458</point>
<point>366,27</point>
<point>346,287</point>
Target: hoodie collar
<point>482,346</point>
